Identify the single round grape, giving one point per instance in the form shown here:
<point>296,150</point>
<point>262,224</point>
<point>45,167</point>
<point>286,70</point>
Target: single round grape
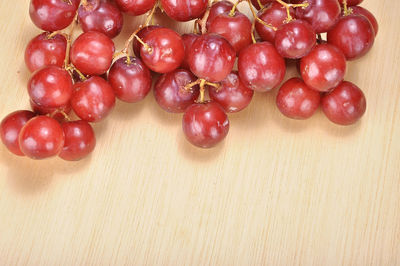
<point>324,68</point>
<point>261,67</point>
<point>171,94</point>
<point>211,57</point>
<point>101,16</point>
<point>50,87</point>
<point>92,53</point>
<point>93,99</point>
<point>344,105</point>
<point>296,100</point>
<point>135,7</point>
<point>10,128</point>
<point>205,124</point>
<point>353,35</point>
<point>166,50</point>
<point>235,29</point>
<point>41,137</point>
<point>183,10</point>
<point>80,140</point>
<point>232,94</point>
<point>295,39</point>
<point>53,15</point>
<point>44,50</point>
<point>131,82</point>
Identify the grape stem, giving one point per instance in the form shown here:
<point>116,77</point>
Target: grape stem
<point>259,3</point>
<point>233,10</point>
<point>253,25</point>
<point>202,23</point>
<point>202,83</point>
<point>149,17</point>
<point>59,111</point>
<point>71,69</point>
<point>69,37</point>
<point>346,10</point>
<point>288,6</point>
<point>258,19</point>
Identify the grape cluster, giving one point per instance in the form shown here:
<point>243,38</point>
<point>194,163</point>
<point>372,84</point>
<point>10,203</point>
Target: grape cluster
<point>195,72</point>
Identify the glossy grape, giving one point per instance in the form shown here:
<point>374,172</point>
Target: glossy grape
<point>211,57</point>
<point>183,10</point>
<point>80,140</point>
<point>135,7</point>
<point>131,82</point>
<point>344,105</point>
<point>41,137</point>
<point>45,51</point>
<point>101,16</point>
<point>52,15</point>
<point>261,67</point>
<point>50,87</point>
<point>93,99</point>
<point>232,94</point>
<point>10,128</point>
<point>166,50</point>
<point>353,35</point>
<point>92,53</point>
<point>295,39</point>
<point>296,100</point>
<point>205,124</point>
<point>171,94</point>
<point>324,68</point>
<point>235,29</point>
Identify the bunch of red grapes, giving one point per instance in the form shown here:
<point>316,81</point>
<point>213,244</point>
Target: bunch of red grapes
<point>194,72</point>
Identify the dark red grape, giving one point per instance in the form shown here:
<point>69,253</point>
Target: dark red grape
<point>205,124</point>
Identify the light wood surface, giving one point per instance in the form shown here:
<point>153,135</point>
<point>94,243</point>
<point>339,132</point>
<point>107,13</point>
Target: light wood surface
<point>276,192</point>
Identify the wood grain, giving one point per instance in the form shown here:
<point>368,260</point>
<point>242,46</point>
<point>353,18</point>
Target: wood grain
<point>276,192</point>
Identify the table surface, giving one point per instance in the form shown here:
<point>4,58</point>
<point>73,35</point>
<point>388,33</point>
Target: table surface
<point>276,192</point>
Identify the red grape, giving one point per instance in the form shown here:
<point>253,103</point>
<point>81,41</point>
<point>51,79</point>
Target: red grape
<point>295,39</point>
<point>131,82</point>
<point>232,94</point>
<point>166,50</point>
<point>235,29</point>
<point>41,137</point>
<point>11,127</point>
<point>142,34</point>
<point>324,68</point>
<point>92,53</point>
<point>354,35</point>
<point>80,140</point>
<point>260,66</point>
<point>52,15</point>
<point>101,16</point>
<point>205,124</point>
<point>358,10</point>
<point>274,15</point>
<point>171,94</point>
<point>50,87</point>
<point>184,10</point>
<point>321,14</point>
<point>93,99</point>
<point>45,51</point>
<point>135,7</point>
<point>217,8</point>
<point>296,100</point>
<point>211,57</point>
<point>344,105</point>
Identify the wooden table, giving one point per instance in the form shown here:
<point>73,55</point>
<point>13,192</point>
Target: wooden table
<point>276,192</point>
